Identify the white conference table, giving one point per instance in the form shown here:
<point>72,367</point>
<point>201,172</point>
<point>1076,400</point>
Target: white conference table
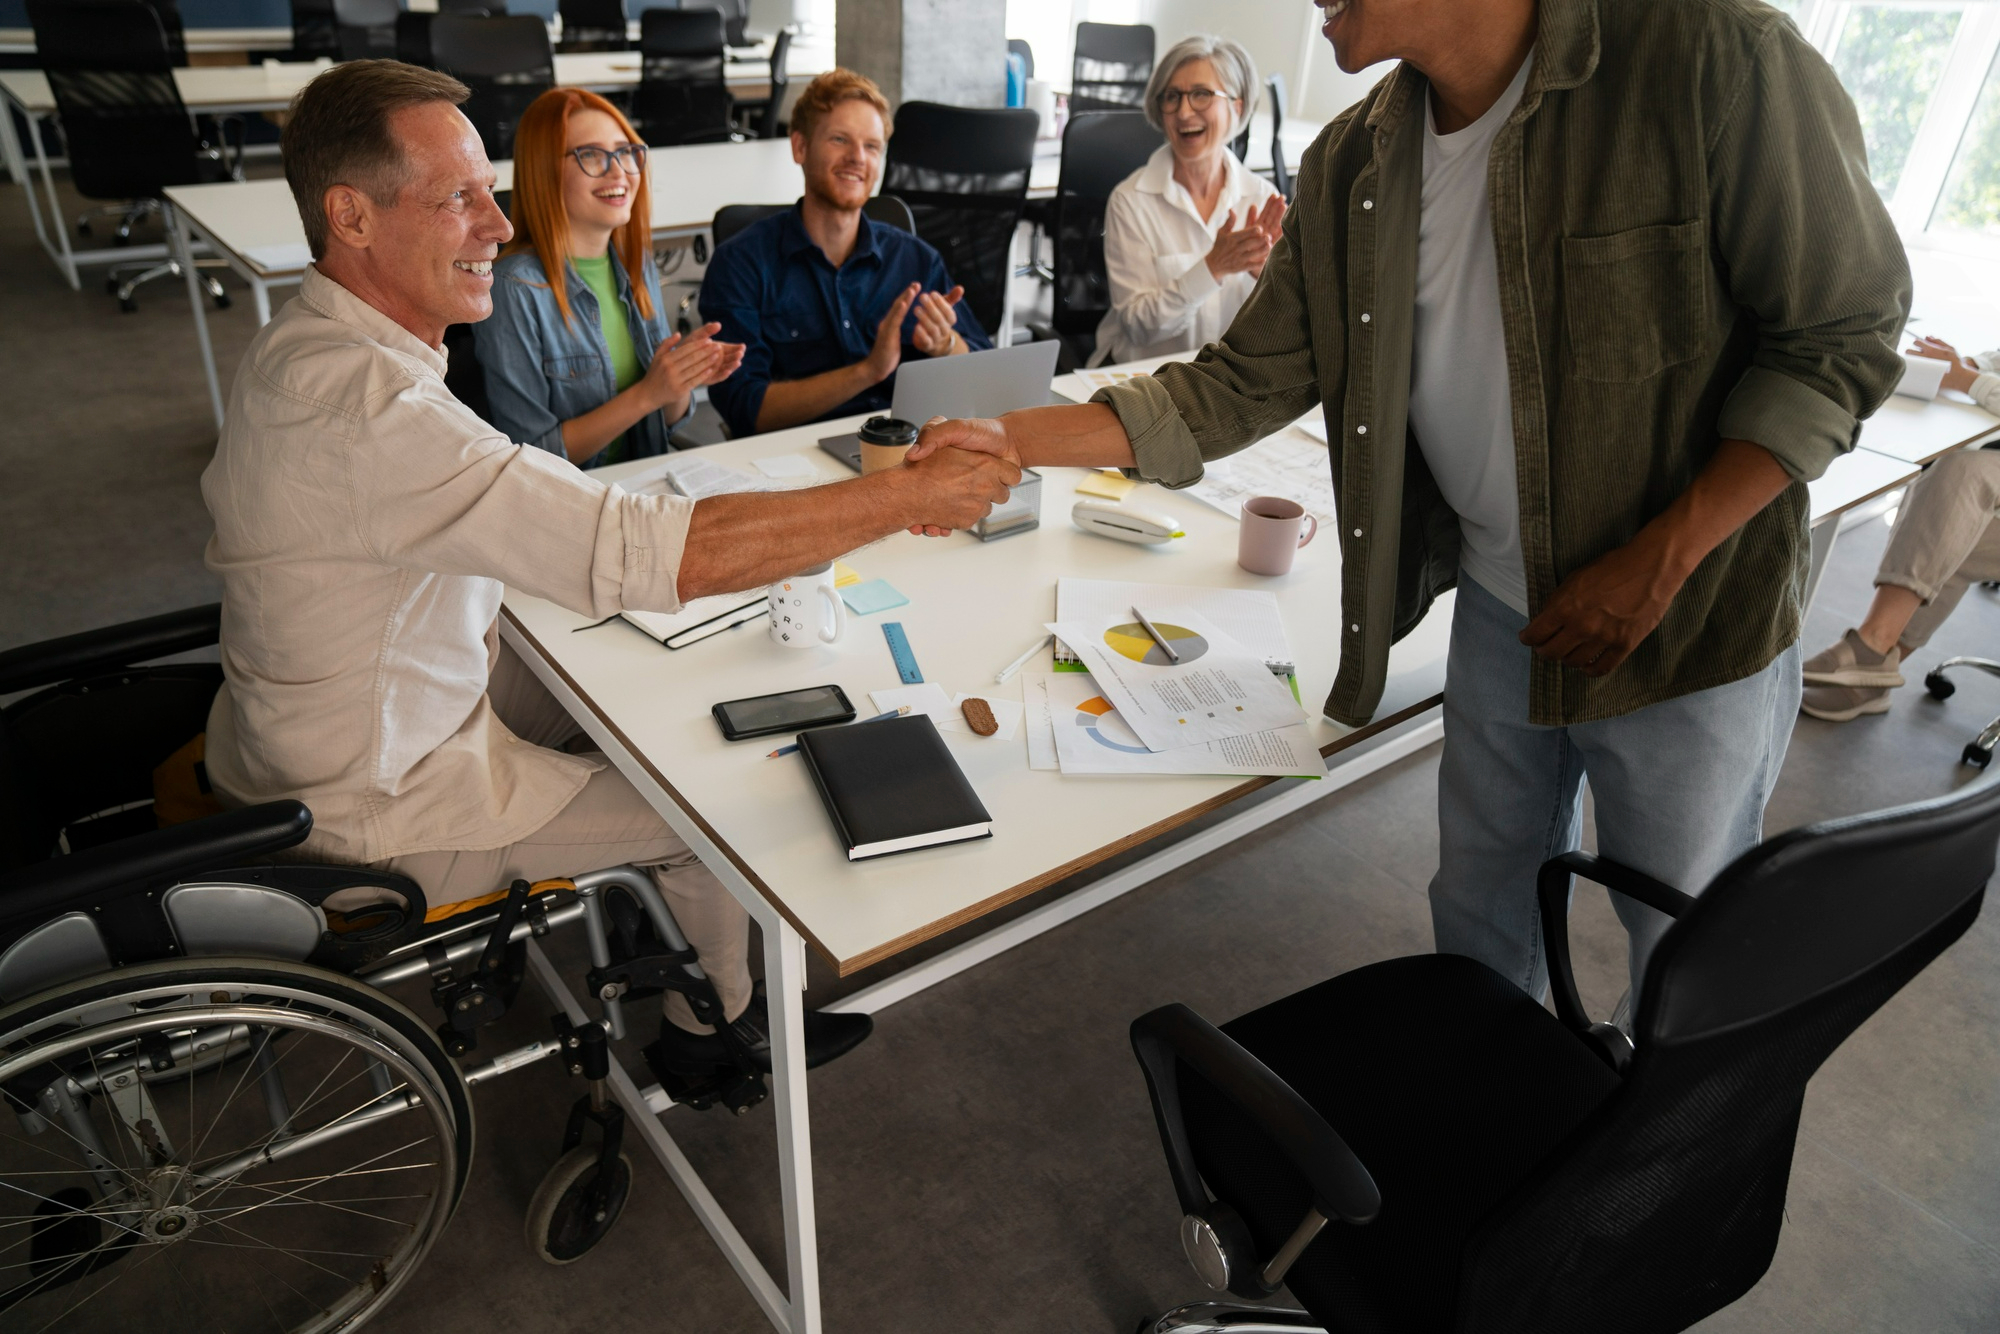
<point>1917,431</point>
<point>249,89</point>
<point>973,607</point>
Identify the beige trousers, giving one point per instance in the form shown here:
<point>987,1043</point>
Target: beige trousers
<point>606,824</point>
<point>1946,539</point>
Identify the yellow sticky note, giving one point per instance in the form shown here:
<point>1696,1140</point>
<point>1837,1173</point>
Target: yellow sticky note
<point>843,574</point>
<point>1107,484</point>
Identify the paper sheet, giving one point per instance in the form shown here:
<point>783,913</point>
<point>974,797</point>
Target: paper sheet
<point>1035,692</point>
<point>871,597</point>
<point>1922,377</point>
<point>1288,464</point>
<point>1247,614</point>
<point>1109,485</point>
<point>1089,736</point>
<point>1218,688</point>
<point>926,697</point>
<point>793,468</point>
<point>695,477</point>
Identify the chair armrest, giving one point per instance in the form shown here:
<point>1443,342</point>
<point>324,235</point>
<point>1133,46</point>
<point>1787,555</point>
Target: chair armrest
<point>109,648</point>
<point>1341,1185</point>
<point>146,861</point>
<point>1552,887</point>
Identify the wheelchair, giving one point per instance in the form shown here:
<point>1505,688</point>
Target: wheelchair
<point>215,1118</point>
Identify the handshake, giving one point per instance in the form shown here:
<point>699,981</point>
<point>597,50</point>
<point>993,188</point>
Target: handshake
<point>956,472</point>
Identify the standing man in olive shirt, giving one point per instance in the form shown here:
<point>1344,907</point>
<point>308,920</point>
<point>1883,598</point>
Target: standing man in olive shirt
<point>1694,295</point>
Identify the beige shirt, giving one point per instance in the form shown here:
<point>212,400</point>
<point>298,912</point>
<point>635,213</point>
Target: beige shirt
<point>1156,244</point>
<point>366,524</point>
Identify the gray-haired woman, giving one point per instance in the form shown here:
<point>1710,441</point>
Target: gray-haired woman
<point>1185,236</point>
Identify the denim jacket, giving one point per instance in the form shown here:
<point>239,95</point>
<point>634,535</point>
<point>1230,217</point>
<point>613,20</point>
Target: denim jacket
<point>541,373</point>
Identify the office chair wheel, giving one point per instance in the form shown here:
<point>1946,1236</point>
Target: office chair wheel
<point>1939,685</point>
<point>128,305</point>
<point>297,1189</point>
<point>572,1210</point>
<point>1975,755</point>
<point>221,300</point>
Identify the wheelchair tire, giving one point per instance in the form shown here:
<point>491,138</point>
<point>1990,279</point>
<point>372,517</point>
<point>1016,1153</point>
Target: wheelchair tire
<point>560,1229</point>
<point>297,1190</point>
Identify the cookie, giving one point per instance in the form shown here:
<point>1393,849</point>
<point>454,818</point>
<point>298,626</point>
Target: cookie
<point>979,717</point>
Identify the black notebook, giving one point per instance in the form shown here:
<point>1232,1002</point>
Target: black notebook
<point>892,786</point>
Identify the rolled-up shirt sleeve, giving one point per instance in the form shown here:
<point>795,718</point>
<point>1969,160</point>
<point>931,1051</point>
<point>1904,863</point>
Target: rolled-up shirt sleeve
<point>517,388</point>
<point>434,490</point>
<point>1811,252</point>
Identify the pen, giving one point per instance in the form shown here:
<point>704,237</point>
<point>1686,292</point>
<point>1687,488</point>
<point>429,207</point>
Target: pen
<point>1008,671</point>
<point>893,713</point>
<point>1158,638</point>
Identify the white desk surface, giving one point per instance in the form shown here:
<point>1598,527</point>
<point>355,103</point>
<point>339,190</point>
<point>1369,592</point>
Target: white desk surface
<point>689,184</point>
<point>973,607</point>
<point>1917,432</point>
<point>1855,478</point>
<point>217,88</point>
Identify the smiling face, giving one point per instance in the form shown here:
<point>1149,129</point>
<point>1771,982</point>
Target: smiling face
<point>843,159</point>
<point>1361,35</point>
<point>597,205</point>
<point>425,257</point>
<point>1196,136</point>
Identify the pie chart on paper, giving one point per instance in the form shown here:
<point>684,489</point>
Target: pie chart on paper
<point>1133,642</point>
<point>1101,723</point>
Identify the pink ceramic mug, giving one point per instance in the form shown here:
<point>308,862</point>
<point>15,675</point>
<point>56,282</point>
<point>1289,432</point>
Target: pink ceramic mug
<point>1272,532</point>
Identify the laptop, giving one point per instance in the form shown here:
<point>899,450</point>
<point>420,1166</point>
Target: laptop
<point>976,384</point>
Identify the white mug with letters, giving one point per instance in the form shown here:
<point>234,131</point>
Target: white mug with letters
<point>805,609</point>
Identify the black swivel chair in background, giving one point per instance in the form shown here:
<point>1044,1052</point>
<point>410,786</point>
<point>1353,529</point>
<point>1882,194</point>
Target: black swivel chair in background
<point>507,64</point>
<point>1418,1145</point>
<point>129,136</point>
<point>733,218</point>
<point>366,28</point>
<point>1113,63</point>
<point>760,115</point>
<point>683,96</point>
<point>735,14</point>
<point>594,25</point>
<point>964,173</point>
<point>1100,149</point>
<point>1280,173</point>
<point>315,30</point>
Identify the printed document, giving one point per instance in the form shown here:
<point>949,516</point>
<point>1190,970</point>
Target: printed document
<point>1197,686</point>
<point>1088,736</point>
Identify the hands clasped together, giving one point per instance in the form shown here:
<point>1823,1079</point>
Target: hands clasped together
<point>680,365</point>
<point>935,334</point>
<point>1244,249</point>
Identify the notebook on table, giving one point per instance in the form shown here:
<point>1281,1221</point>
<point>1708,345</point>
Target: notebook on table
<point>892,786</point>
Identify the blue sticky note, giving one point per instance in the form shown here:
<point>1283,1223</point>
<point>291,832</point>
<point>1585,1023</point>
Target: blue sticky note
<point>873,596</point>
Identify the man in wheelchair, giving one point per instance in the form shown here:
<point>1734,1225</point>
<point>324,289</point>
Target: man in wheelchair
<point>365,522</point>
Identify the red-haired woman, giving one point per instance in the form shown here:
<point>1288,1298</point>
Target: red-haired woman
<point>586,367</point>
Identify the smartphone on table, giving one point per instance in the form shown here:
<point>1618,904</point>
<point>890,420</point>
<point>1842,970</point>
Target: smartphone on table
<point>787,711</point>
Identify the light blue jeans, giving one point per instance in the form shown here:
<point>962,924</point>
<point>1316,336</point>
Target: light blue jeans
<point>1679,787</point>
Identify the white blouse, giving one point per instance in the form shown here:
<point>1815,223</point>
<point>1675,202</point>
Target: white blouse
<point>1163,298</point>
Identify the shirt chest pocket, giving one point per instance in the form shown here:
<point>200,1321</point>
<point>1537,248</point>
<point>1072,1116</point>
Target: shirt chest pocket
<point>577,384</point>
<point>1636,302</point>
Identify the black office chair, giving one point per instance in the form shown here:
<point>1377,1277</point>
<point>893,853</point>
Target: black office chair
<point>1100,149</point>
<point>366,28</point>
<point>128,134</point>
<point>1113,63</point>
<point>506,62</point>
<point>1978,752</point>
<point>1280,173</point>
<point>1017,47</point>
<point>735,14</point>
<point>315,31</point>
<point>594,25</point>
<point>760,115</point>
<point>964,173</point>
<point>1418,1145</point>
<point>683,96</point>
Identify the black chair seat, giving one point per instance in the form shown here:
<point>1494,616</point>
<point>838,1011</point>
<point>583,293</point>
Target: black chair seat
<point>1449,1084</point>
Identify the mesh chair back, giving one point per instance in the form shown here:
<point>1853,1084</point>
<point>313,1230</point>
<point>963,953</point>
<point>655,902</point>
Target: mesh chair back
<point>735,14</point>
<point>1784,956</point>
<point>315,30</point>
<point>506,62</point>
<point>170,23</point>
<point>682,97</point>
<point>1100,149</point>
<point>1281,172</point>
<point>594,25</point>
<point>964,173</point>
<point>767,119</point>
<point>112,73</point>
<point>1113,62</point>
<point>733,218</point>
<point>367,28</point>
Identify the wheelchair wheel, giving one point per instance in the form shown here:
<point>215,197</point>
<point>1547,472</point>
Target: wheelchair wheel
<point>220,1144</point>
<point>567,1216</point>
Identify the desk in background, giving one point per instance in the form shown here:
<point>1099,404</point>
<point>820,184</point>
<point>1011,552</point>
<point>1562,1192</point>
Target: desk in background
<point>760,826</point>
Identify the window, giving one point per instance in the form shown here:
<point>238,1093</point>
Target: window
<point>1971,201</point>
<point>1889,57</point>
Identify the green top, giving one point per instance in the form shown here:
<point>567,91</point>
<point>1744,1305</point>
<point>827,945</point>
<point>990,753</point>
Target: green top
<point>1689,250</point>
<point>625,369</point>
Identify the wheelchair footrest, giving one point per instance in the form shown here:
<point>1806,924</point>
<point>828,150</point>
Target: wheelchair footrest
<point>724,1084</point>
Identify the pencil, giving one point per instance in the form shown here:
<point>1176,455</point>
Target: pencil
<point>1158,638</point>
<point>1006,673</point>
<point>893,713</point>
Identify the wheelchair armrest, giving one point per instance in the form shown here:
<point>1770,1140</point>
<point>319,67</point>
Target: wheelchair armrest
<point>148,860</point>
<point>1552,889</point>
<point>108,648</point>
<point>1341,1185</point>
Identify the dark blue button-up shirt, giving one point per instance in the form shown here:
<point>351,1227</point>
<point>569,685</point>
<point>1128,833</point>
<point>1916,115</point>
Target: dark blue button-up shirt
<point>772,290</point>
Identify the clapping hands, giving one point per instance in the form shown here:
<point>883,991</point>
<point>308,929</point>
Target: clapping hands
<point>682,364</point>
<point>1243,249</point>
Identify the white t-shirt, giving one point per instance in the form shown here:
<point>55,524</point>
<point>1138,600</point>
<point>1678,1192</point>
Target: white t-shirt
<point>1460,407</point>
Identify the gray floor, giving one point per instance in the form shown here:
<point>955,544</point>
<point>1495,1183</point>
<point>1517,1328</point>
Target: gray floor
<point>987,1161</point>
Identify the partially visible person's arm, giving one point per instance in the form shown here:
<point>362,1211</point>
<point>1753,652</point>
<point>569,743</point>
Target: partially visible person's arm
<point>1806,245</point>
<point>790,402</point>
<point>679,365</point>
<point>508,347</point>
<point>1969,375</point>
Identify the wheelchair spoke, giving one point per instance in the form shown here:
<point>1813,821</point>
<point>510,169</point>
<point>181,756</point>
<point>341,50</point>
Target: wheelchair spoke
<point>100,1289</point>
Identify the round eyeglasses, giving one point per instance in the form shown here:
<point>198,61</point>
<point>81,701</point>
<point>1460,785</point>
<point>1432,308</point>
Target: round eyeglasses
<point>597,161</point>
<point>1197,98</point>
